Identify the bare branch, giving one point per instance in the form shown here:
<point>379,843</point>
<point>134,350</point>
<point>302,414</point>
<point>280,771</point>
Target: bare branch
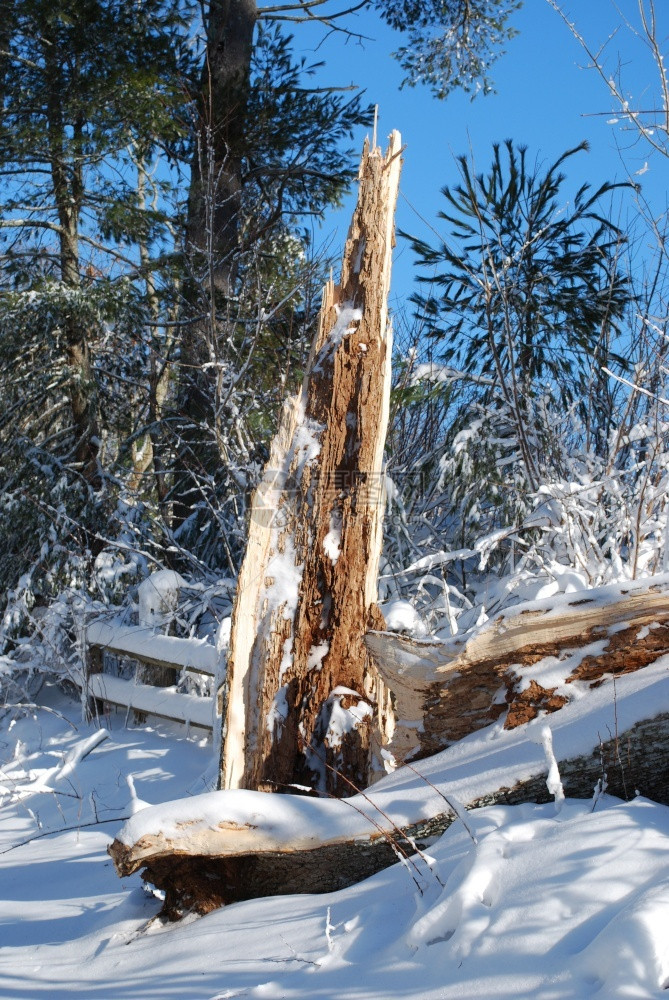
<point>20,59</point>
<point>31,224</point>
<point>306,7</point>
<point>614,87</point>
<point>303,12</point>
<point>63,829</point>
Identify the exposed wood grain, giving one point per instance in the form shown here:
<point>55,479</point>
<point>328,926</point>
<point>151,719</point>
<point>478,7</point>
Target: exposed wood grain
<point>585,614</point>
<point>443,693</point>
<point>317,517</point>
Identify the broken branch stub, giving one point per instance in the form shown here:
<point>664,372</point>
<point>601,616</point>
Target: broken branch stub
<point>305,703</point>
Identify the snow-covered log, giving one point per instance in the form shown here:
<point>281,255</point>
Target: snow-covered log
<point>567,618</point>
<point>223,847</point>
<point>304,701</point>
<point>528,659</point>
<point>203,869</point>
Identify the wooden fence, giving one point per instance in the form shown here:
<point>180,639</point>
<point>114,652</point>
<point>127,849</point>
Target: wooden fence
<point>153,664</point>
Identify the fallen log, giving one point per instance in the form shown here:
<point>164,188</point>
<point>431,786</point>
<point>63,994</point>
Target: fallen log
<point>304,700</point>
<point>539,627</point>
<point>202,883</point>
<point>445,691</point>
<point>235,846</point>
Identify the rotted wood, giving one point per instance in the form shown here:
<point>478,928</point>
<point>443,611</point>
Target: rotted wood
<point>636,760</point>
<point>305,701</point>
<point>444,692</point>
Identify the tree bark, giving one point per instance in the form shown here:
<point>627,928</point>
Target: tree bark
<point>214,198</point>
<point>67,188</point>
<point>212,231</point>
<point>215,192</point>
<point>305,703</point>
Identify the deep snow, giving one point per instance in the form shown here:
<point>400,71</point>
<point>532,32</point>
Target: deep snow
<point>545,904</point>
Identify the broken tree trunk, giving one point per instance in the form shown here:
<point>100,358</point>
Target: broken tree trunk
<point>223,850</point>
<point>444,691</point>
<point>305,703</point>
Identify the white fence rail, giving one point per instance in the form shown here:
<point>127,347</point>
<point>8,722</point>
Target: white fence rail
<point>159,662</point>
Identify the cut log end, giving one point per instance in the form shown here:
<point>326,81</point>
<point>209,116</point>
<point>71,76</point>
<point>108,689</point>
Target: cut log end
<point>122,856</point>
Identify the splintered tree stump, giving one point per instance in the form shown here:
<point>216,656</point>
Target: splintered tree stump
<point>305,703</point>
<point>443,692</point>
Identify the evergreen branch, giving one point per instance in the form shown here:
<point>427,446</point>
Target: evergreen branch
<point>113,543</point>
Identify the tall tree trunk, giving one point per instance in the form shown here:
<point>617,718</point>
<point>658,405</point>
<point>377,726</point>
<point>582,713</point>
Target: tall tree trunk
<point>305,703</point>
<point>67,184</point>
<point>214,198</point>
<point>213,226</point>
<point>148,451</point>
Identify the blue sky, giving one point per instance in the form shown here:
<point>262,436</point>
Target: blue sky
<point>545,99</point>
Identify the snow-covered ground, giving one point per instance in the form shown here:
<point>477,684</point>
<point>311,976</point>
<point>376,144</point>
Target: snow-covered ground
<point>547,904</point>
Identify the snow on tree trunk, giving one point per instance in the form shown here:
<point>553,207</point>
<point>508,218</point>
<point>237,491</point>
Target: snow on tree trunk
<point>305,703</point>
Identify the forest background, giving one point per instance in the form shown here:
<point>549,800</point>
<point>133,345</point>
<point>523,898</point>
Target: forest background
<point>170,178</point>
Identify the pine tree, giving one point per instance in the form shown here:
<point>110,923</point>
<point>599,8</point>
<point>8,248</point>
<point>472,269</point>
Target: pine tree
<point>112,274</point>
<point>523,303</point>
<point>89,89</point>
